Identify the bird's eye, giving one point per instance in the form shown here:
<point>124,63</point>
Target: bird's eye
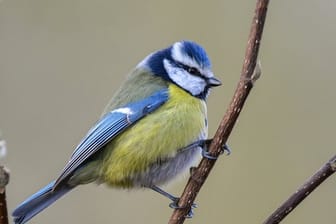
<point>193,71</point>
<point>189,69</point>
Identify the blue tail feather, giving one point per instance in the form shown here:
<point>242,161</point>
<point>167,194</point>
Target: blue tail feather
<point>38,201</point>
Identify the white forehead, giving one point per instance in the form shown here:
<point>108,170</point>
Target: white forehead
<point>180,56</point>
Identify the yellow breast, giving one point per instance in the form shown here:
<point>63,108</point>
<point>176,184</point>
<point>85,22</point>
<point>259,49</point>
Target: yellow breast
<point>176,124</point>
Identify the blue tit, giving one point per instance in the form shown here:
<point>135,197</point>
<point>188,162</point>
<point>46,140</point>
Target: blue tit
<point>149,132</point>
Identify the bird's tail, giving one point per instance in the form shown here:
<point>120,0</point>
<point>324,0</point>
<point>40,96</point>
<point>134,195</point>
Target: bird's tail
<point>38,201</point>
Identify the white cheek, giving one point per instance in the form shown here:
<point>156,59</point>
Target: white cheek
<point>193,84</point>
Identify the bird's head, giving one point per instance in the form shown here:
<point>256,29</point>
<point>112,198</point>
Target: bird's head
<point>185,64</point>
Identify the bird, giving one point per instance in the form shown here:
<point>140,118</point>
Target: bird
<point>154,128</point>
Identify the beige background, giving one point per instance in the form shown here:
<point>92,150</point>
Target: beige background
<point>60,61</point>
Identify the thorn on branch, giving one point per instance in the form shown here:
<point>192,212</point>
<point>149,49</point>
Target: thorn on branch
<point>257,72</point>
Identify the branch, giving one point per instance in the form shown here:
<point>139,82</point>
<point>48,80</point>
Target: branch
<point>297,197</point>
<point>4,179</point>
<point>248,76</point>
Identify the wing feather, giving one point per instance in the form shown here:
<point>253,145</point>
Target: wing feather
<point>108,127</point>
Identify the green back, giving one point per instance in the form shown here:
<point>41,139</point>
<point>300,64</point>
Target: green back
<point>138,85</point>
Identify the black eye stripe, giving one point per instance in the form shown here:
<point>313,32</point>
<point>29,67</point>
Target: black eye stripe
<point>191,70</point>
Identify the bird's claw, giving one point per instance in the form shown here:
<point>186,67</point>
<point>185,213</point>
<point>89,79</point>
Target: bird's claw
<point>207,155</point>
<point>175,201</point>
<point>174,205</point>
<point>226,149</point>
<point>205,144</point>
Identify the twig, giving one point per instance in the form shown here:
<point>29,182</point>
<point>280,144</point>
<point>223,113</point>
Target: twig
<point>248,76</point>
<point>4,179</point>
<point>295,199</point>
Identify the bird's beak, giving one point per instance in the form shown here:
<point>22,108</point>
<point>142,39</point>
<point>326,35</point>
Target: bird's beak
<point>213,82</point>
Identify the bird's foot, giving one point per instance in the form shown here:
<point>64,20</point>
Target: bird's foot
<point>174,205</point>
<point>175,200</point>
<point>205,153</point>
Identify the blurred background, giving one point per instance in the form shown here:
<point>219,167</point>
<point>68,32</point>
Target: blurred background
<point>61,61</point>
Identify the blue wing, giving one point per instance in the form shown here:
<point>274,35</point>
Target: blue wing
<point>108,127</point>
